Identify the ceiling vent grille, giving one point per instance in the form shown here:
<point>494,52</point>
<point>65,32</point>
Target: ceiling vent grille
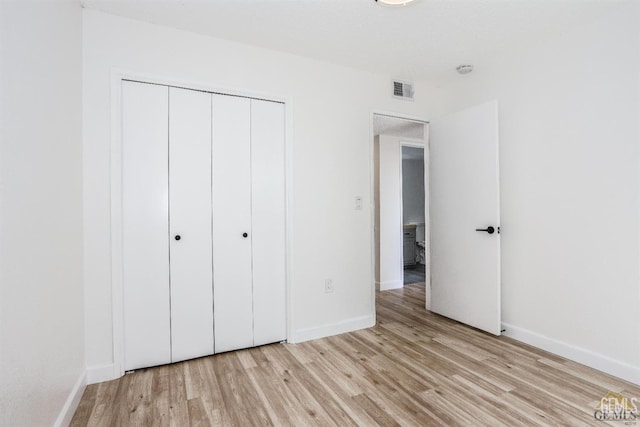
<point>403,90</point>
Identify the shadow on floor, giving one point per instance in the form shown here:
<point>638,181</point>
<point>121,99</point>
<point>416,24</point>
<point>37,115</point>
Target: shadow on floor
<point>414,274</point>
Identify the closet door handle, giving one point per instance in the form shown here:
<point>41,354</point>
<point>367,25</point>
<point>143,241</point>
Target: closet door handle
<point>244,235</point>
<point>177,237</point>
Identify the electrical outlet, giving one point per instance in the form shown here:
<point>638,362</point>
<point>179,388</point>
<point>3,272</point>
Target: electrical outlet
<point>328,286</point>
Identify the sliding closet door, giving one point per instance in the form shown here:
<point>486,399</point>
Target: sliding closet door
<point>190,224</point>
<point>268,221</point>
<point>232,234</point>
<point>145,227</point>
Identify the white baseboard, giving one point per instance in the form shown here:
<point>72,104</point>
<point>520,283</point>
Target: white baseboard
<point>390,284</point>
<point>348,325</point>
<point>98,374</point>
<point>70,406</point>
<point>577,354</point>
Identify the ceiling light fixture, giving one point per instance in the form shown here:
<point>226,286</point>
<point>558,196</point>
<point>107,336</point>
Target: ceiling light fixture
<point>464,68</point>
<point>395,2</point>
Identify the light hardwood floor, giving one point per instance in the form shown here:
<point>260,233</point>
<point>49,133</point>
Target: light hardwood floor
<point>413,368</point>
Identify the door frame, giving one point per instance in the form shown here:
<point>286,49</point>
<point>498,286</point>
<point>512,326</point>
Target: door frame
<point>117,312</point>
<point>372,196</point>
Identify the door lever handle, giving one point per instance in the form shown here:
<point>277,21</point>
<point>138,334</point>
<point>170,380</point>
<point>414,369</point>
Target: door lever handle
<point>489,229</point>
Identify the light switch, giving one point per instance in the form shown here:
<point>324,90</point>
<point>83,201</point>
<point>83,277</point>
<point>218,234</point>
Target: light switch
<point>358,203</point>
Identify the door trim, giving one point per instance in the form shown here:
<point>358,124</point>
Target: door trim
<point>117,310</point>
<point>372,209</point>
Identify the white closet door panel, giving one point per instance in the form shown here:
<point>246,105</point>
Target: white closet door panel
<point>145,225</point>
<point>233,311</point>
<point>190,219</point>
<point>268,221</point>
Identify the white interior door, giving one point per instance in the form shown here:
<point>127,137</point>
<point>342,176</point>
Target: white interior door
<point>145,225</point>
<point>268,221</point>
<point>464,191</point>
<point>190,224</point>
<point>232,234</point>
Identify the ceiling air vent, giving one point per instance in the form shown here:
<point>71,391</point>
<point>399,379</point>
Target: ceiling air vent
<point>403,90</point>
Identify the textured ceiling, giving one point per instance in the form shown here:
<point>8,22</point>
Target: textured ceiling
<point>425,40</point>
<point>394,126</point>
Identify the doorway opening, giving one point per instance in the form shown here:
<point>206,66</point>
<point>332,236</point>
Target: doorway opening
<point>400,171</point>
<point>413,215</point>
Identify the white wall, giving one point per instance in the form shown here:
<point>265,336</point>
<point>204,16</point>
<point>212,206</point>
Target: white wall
<point>41,302</point>
<point>413,195</point>
<point>332,149</point>
<point>389,210</point>
<point>569,138</point>
<point>389,261</point>
<point>413,192</point>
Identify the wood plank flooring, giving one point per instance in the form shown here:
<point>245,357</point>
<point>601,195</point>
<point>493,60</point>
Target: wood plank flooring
<point>414,368</point>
